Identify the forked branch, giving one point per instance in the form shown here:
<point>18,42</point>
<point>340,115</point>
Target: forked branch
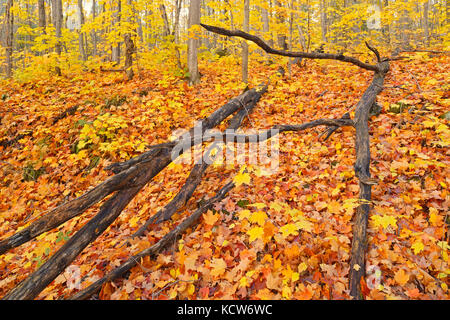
<point>309,55</point>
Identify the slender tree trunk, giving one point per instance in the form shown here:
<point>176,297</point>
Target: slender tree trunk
<point>93,33</point>
<point>280,19</point>
<point>129,49</point>
<point>176,25</point>
<point>57,19</point>
<point>81,42</point>
<point>323,20</point>
<point>426,34</point>
<point>194,19</point>
<point>116,49</point>
<point>265,21</point>
<point>9,34</point>
<point>244,43</point>
<point>166,30</point>
<point>41,12</point>
<point>291,30</point>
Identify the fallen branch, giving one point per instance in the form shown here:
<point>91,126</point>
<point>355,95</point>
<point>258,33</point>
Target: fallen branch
<point>310,55</point>
<point>157,247</point>
<point>197,172</point>
<point>134,178</point>
<point>362,143</point>
<point>362,171</point>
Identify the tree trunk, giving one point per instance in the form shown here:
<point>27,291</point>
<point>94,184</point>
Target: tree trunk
<point>41,10</point>
<point>265,21</point>
<point>129,49</point>
<point>81,43</point>
<point>115,54</point>
<point>291,30</point>
<point>323,20</point>
<point>244,43</point>
<point>176,25</point>
<point>166,30</point>
<point>194,19</point>
<point>93,33</point>
<point>281,38</point>
<point>426,34</point>
<point>9,34</point>
<point>57,18</point>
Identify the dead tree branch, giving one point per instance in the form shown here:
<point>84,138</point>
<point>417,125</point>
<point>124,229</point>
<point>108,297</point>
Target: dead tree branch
<point>362,142</point>
<point>134,177</point>
<point>310,55</point>
<point>157,247</point>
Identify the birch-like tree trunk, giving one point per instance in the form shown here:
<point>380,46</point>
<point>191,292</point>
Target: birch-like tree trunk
<point>323,20</point>
<point>426,34</point>
<point>57,19</point>
<point>9,25</point>
<point>93,33</point>
<point>115,52</point>
<point>194,19</point>
<point>281,38</point>
<point>81,44</point>
<point>244,43</point>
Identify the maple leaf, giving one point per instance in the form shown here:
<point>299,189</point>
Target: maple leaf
<point>413,293</point>
<point>302,267</point>
<point>244,214</point>
<point>218,266</point>
<point>258,217</point>
<point>273,281</point>
<point>264,294</point>
<point>258,205</point>
<point>303,224</point>
<point>255,233</point>
<point>384,221</point>
<point>304,293</point>
<point>417,247</point>
<point>289,229</point>
<point>211,218</point>
<point>286,292</point>
<point>241,178</point>
<point>189,262</point>
<point>334,207</point>
<point>277,206</point>
<point>401,277</point>
<point>434,218</point>
<point>243,282</point>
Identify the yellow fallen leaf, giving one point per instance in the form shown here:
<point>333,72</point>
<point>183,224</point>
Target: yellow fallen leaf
<point>241,178</point>
<point>255,233</point>
<point>289,229</point>
<point>302,267</point>
<point>258,217</point>
<point>218,266</point>
<point>417,247</point>
<point>401,277</point>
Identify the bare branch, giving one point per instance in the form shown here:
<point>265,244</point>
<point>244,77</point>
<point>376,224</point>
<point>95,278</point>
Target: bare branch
<point>309,55</point>
<point>374,50</point>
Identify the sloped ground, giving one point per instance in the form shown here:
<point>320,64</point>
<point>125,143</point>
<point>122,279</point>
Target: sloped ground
<point>285,234</point>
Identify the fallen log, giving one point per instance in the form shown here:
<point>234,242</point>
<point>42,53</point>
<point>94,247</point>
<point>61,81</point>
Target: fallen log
<point>362,142</point>
<point>197,172</point>
<point>136,176</point>
<point>126,173</point>
<point>156,248</point>
<point>362,171</point>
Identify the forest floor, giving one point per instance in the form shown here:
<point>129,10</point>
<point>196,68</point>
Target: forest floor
<point>285,234</point>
